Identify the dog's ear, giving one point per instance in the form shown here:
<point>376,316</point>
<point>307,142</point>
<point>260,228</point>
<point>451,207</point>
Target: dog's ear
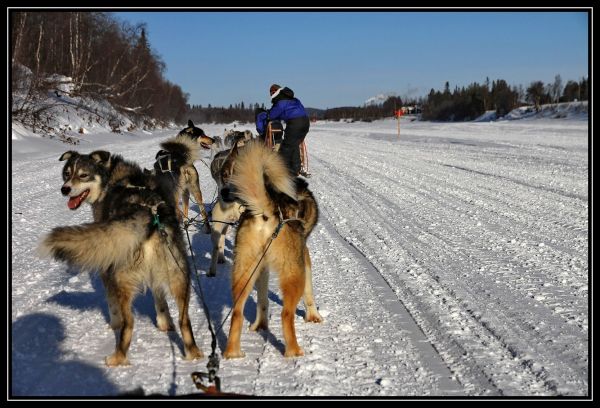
<point>100,156</point>
<point>190,123</point>
<point>68,155</point>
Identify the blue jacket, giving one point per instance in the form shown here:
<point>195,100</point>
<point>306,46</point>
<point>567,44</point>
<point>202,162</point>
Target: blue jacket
<point>261,123</point>
<point>286,107</point>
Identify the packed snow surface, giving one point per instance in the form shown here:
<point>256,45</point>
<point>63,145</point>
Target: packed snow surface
<point>449,261</point>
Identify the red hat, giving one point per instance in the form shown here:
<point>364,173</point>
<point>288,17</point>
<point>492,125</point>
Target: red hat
<point>274,88</point>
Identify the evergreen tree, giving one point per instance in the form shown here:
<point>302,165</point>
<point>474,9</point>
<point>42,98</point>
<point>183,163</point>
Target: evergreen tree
<point>535,94</point>
<point>571,91</point>
<point>583,89</point>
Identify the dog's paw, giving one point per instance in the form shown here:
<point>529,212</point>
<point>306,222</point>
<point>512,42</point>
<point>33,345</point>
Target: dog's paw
<point>294,352</point>
<point>116,359</point>
<point>193,353</point>
<point>165,324</point>
<point>221,259</point>
<point>313,316</point>
<point>229,354</point>
<point>259,325</point>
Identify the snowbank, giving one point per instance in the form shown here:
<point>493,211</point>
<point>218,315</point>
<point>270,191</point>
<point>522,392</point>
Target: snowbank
<point>59,115</point>
<point>566,110</point>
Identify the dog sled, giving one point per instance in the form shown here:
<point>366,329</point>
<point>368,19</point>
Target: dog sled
<point>273,139</point>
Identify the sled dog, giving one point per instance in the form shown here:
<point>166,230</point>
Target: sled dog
<point>227,210</point>
<point>134,242</point>
<point>175,165</point>
<point>240,137</point>
<point>280,206</point>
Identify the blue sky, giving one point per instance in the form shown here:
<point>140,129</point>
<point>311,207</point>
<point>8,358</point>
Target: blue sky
<point>333,59</point>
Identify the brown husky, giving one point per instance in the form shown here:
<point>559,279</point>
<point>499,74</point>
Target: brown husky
<point>276,205</point>
<point>134,241</point>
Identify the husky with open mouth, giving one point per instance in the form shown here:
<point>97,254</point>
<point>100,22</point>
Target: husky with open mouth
<point>134,242</point>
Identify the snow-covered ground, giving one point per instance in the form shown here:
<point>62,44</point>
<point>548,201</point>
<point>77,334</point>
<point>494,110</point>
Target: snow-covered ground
<point>570,110</point>
<point>450,261</point>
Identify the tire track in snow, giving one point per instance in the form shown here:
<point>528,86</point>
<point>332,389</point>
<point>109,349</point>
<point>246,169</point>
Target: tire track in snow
<point>358,189</point>
<point>505,213</point>
<point>454,353</point>
<point>513,180</point>
<point>494,230</point>
<point>447,384</point>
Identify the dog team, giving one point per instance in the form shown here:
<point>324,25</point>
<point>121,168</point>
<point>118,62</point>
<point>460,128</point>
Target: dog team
<point>135,240</point>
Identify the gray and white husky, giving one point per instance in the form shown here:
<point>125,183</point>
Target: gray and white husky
<point>134,242</point>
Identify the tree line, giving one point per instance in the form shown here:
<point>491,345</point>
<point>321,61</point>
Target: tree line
<point>210,114</point>
<point>467,103</point>
<point>461,104</point>
<point>105,59</point>
<point>245,113</point>
<point>366,113</point>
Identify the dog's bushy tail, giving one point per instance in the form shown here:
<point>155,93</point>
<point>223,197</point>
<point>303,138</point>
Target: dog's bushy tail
<point>183,147</point>
<point>98,245</point>
<point>256,166</point>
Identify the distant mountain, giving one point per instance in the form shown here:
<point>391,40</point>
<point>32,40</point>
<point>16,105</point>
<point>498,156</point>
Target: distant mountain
<point>379,99</point>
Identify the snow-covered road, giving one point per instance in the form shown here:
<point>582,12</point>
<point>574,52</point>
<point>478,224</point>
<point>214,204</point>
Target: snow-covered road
<point>451,261</point>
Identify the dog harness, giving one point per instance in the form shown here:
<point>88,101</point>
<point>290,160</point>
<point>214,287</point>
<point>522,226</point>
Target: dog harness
<point>164,161</point>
